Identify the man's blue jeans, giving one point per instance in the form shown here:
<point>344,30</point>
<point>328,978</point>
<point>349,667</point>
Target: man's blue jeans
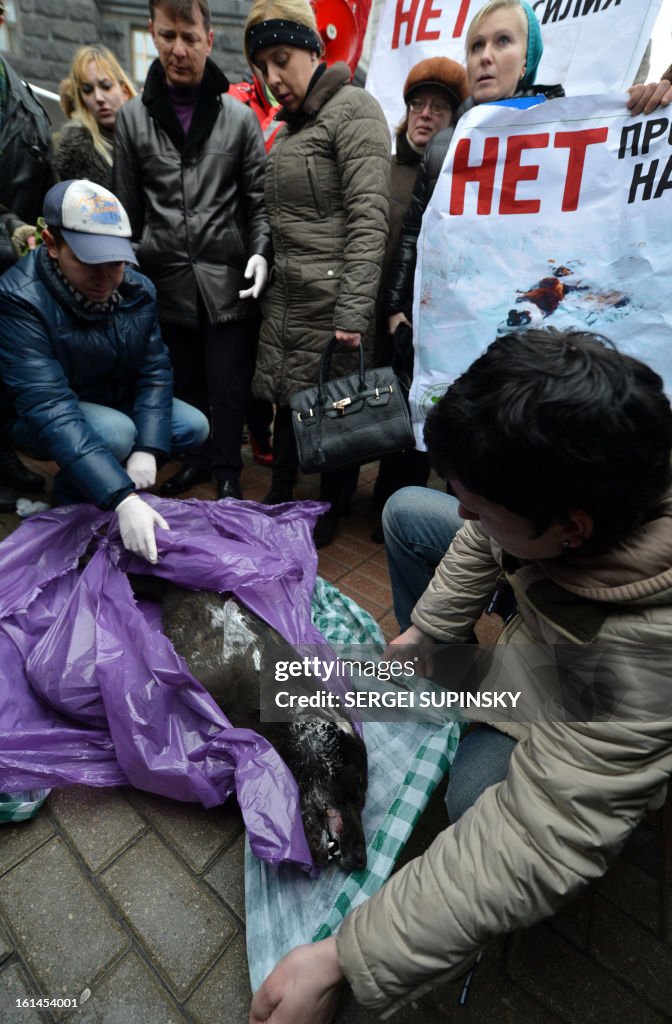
<point>419,525</point>
<point>481,760</point>
<point>189,428</point>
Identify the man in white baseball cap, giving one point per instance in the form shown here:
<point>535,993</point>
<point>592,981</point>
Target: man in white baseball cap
<point>92,221</point>
<point>82,356</point>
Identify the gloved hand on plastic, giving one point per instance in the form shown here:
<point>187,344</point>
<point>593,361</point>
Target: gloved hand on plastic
<point>257,268</point>
<point>141,467</point>
<point>137,520</point>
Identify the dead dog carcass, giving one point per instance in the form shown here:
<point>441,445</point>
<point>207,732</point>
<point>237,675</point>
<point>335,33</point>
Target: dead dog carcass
<point>229,649</point>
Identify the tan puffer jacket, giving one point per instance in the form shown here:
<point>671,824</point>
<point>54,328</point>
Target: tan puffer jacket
<point>326,193</point>
<point>575,789</point>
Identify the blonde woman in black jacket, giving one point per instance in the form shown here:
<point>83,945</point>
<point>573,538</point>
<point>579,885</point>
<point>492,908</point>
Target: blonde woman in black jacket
<point>99,87</point>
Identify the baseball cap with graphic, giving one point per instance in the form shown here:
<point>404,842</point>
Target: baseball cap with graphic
<point>92,221</point>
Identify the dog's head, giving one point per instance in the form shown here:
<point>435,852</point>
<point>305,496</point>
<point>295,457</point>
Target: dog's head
<point>332,797</point>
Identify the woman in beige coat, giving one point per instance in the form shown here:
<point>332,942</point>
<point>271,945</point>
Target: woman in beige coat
<point>558,450</point>
<point>326,193</point>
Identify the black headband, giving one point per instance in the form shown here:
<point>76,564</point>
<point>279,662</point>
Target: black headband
<point>279,31</point>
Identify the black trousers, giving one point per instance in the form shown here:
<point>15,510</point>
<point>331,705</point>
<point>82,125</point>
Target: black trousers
<point>212,370</point>
<point>336,487</point>
<point>409,468</point>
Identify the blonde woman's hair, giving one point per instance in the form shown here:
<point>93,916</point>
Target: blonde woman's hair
<point>490,8</point>
<point>111,67</point>
<point>292,10</point>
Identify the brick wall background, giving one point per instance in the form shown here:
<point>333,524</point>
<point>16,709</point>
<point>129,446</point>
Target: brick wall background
<point>48,33</point>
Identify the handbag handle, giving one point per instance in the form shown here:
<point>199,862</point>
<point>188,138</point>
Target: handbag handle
<point>325,363</point>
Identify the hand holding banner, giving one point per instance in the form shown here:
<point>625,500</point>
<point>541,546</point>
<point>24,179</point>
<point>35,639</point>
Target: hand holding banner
<point>590,46</point>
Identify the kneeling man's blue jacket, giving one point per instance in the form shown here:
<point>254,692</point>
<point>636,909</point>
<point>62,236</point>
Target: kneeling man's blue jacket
<point>55,353</point>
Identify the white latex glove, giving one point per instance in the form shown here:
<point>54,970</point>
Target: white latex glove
<point>137,520</point>
<point>141,467</point>
<point>257,268</point>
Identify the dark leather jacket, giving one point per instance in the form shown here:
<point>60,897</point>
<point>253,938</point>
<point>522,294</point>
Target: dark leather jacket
<point>195,203</point>
<point>399,295</point>
<point>26,171</point>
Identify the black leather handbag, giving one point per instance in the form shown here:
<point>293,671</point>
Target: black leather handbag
<point>349,419</point>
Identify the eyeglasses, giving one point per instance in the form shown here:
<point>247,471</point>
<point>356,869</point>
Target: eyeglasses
<point>435,106</point>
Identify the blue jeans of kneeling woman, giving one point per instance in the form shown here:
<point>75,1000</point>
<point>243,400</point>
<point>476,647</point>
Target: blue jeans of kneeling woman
<point>189,428</point>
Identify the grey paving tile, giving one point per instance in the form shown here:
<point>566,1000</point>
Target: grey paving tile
<point>6,948</point>
<point>645,849</point>
<point>182,927</point>
<point>635,892</point>
<point>8,523</point>
<point>14,985</point>
<point>632,953</point>
<point>667,912</point>
<point>63,929</point>
<point>196,833</point>
<point>573,921</point>
<point>570,983</point>
<point>130,994</point>
<point>492,998</point>
<point>99,822</point>
<point>350,1012</point>
<point>16,841</point>
<point>224,995</point>
<point>227,877</point>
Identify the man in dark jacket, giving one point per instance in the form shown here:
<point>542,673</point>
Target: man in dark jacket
<point>25,175</point>
<point>82,356</point>
<point>189,167</point>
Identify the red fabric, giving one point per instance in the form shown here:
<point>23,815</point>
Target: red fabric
<point>253,95</point>
<point>349,18</point>
<point>362,11</point>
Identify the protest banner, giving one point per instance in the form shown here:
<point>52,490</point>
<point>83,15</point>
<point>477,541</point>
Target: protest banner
<point>557,215</point>
<point>590,46</point>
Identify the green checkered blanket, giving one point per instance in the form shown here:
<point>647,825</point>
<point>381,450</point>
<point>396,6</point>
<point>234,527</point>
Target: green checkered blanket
<point>21,806</point>
<point>406,761</point>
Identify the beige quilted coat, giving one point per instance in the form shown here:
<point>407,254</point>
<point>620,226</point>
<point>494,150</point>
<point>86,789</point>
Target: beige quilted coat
<point>575,789</point>
<point>326,193</point>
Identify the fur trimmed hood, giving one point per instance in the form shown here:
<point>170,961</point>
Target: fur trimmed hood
<point>77,157</point>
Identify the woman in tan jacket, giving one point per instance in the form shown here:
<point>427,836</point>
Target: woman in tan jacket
<point>558,450</point>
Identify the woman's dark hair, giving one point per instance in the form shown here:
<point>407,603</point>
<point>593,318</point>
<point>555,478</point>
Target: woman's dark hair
<point>547,421</point>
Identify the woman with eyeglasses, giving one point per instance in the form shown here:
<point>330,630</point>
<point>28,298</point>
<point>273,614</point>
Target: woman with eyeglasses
<point>503,51</point>
<point>97,86</point>
<point>433,92</point>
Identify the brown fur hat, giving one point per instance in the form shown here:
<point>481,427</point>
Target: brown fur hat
<point>442,73</point>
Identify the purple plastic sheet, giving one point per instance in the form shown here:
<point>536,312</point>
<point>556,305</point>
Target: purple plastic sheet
<point>91,692</point>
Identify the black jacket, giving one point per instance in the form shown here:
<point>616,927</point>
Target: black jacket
<point>195,202</point>
<point>399,295</point>
<point>77,157</point>
<point>26,171</point>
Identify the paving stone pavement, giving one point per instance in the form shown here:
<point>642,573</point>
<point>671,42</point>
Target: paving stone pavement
<point>134,905</point>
